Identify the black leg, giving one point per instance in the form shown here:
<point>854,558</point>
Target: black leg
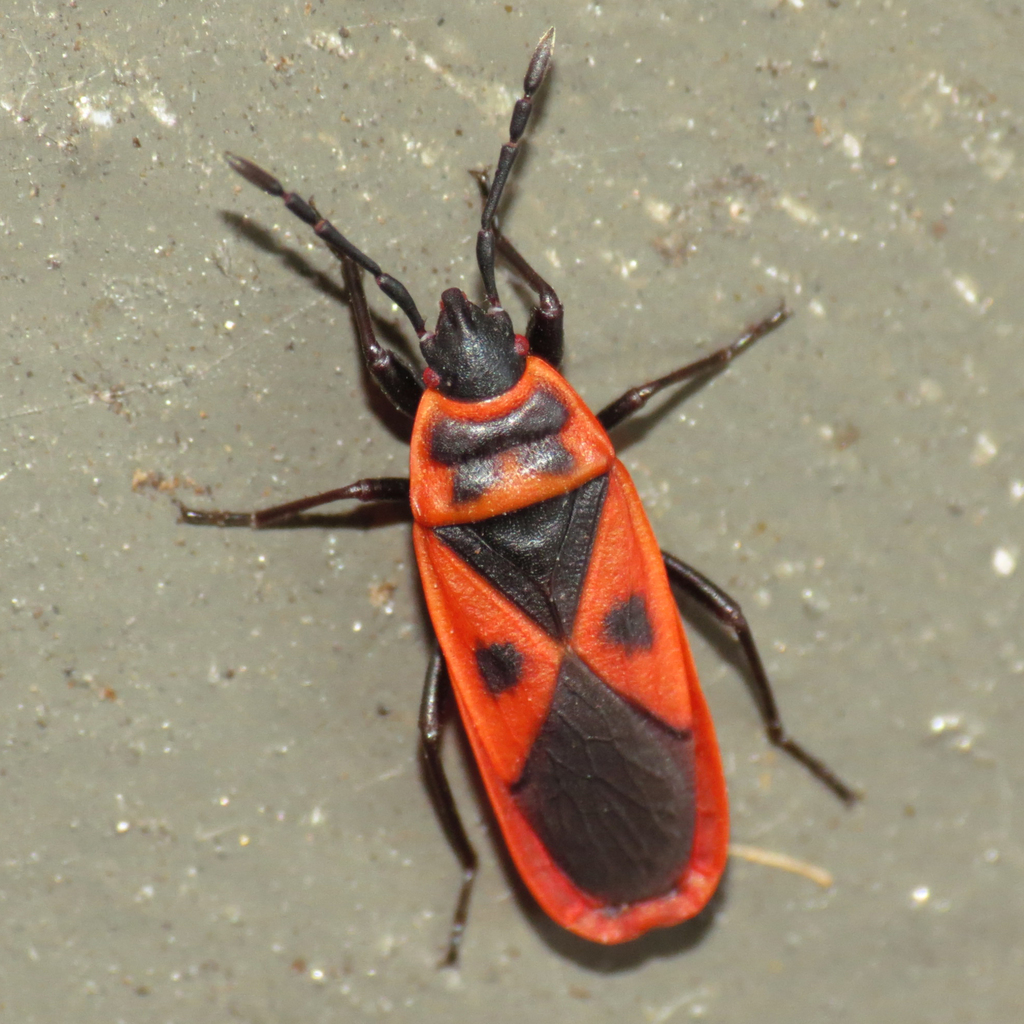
<point>435,689</point>
<point>545,331</point>
<point>485,239</point>
<point>398,383</point>
<point>698,587</point>
<point>636,398</point>
<point>385,488</point>
<point>396,380</point>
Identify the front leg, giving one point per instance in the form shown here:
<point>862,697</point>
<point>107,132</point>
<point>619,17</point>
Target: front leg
<point>636,398</point>
<point>546,329</point>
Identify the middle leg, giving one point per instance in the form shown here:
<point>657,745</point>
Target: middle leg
<point>382,488</point>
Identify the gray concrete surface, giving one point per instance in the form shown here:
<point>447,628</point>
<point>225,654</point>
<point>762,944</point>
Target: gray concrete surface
<point>211,807</point>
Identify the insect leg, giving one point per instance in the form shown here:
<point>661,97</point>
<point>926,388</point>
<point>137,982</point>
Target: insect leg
<point>698,587</point>
<point>402,379</point>
<point>435,689</point>
<point>636,398</point>
<point>545,331</point>
<point>384,488</point>
<point>398,383</point>
<point>485,239</point>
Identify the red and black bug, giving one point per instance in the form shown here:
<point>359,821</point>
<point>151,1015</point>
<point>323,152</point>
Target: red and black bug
<point>553,608</point>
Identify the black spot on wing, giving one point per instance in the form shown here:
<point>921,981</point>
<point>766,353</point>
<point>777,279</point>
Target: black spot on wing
<point>609,791</point>
<point>500,666</point>
<point>537,556</point>
<point>628,625</point>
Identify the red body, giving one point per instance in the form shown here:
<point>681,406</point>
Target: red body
<point>654,675</point>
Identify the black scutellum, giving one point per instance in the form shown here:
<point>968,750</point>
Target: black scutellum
<point>537,556</point>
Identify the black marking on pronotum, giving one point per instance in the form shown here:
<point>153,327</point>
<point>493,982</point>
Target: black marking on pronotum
<point>610,791</point>
<point>628,625</point>
<point>473,479</point>
<point>500,666</point>
<point>547,456</point>
<point>454,441</point>
<point>537,556</point>
<point>474,447</point>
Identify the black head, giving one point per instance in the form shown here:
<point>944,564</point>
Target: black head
<point>473,351</point>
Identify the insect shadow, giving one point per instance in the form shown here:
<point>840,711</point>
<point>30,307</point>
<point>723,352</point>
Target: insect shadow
<point>601,959</point>
<point>328,286</point>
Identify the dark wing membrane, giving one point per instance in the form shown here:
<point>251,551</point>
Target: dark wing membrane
<point>610,791</point>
